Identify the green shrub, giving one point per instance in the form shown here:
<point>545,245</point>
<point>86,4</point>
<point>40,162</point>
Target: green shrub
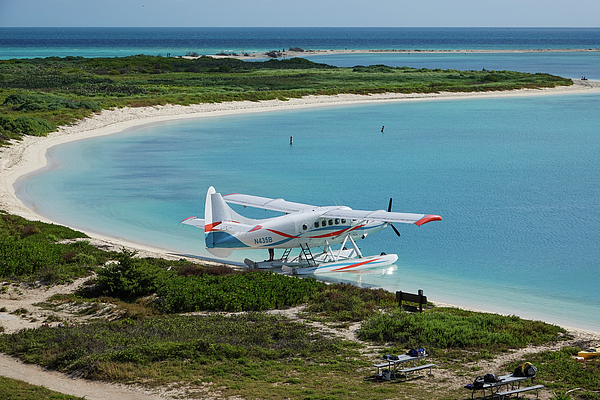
<point>27,125</point>
<point>449,328</point>
<point>345,302</point>
<point>18,257</point>
<point>46,102</point>
<point>251,291</point>
<point>130,278</point>
<point>563,372</point>
<point>28,251</point>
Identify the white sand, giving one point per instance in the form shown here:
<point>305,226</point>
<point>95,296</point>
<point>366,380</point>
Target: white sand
<point>309,52</point>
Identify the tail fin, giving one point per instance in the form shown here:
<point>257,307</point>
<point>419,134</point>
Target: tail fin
<point>208,219</point>
<point>215,212</point>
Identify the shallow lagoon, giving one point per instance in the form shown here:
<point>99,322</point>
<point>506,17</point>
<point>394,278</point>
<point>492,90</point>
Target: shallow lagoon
<point>514,178</point>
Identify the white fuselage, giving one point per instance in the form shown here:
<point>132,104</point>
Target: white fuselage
<point>311,227</point>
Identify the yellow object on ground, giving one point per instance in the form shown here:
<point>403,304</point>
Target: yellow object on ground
<point>589,353</point>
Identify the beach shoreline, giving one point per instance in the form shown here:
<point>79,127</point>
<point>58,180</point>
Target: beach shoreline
<point>291,53</point>
<point>29,155</point>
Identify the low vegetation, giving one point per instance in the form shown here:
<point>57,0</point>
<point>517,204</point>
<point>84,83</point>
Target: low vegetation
<point>253,354</point>
<point>563,373</point>
<point>38,95</point>
<point>34,251</point>
<point>19,390</point>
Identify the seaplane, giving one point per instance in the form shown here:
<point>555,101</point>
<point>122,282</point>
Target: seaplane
<point>302,226</point>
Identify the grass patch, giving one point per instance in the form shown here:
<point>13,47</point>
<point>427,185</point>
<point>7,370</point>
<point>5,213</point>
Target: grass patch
<point>445,330</point>
<point>19,390</point>
<point>561,373</point>
<point>30,251</point>
<point>347,303</point>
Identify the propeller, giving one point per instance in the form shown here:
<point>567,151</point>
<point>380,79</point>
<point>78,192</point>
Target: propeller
<point>389,223</point>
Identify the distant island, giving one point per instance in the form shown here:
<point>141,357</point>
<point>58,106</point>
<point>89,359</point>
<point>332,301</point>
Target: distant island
<point>299,52</point>
<point>38,95</point>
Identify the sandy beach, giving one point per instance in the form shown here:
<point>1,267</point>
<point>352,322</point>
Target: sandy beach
<point>29,155</point>
<point>290,53</point>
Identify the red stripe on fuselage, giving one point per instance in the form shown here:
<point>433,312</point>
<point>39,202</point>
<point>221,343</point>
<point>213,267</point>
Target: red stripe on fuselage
<point>283,234</point>
<point>336,233</point>
<point>256,228</point>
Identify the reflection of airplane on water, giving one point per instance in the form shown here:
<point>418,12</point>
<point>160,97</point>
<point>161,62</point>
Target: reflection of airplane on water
<point>303,226</point>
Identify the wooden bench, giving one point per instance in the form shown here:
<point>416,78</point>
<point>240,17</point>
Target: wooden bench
<point>407,371</point>
<point>413,298</point>
<point>502,395</point>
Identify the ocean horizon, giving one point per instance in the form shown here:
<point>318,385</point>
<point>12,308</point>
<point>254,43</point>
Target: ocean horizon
<point>121,42</point>
<point>515,180</point>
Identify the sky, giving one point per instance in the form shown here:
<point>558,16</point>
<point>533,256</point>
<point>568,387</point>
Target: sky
<point>299,13</point>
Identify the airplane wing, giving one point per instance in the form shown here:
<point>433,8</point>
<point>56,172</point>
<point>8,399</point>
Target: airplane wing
<point>383,216</point>
<point>266,203</point>
<point>282,205</point>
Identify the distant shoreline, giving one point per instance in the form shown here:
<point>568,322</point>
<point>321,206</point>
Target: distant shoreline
<point>310,52</point>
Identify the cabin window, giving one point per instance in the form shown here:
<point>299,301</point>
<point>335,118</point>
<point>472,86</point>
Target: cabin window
<point>337,221</point>
<point>330,222</point>
<point>323,223</point>
<point>343,221</point>
<point>316,224</point>
<point>304,227</point>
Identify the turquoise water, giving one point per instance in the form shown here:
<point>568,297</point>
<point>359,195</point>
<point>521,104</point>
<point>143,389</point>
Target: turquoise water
<point>120,42</point>
<point>514,179</point>
<point>568,64</point>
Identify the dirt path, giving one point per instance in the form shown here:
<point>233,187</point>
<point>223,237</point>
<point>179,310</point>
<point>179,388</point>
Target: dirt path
<point>13,368</point>
<point>23,297</point>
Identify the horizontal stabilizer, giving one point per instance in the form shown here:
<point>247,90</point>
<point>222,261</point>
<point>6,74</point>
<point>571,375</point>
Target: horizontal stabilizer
<point>194,221</point>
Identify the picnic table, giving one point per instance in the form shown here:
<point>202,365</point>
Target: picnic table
<point>394,365</point>
<point>506,386</point>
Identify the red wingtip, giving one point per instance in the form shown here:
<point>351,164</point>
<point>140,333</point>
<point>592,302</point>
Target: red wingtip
<point>428,218</point>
